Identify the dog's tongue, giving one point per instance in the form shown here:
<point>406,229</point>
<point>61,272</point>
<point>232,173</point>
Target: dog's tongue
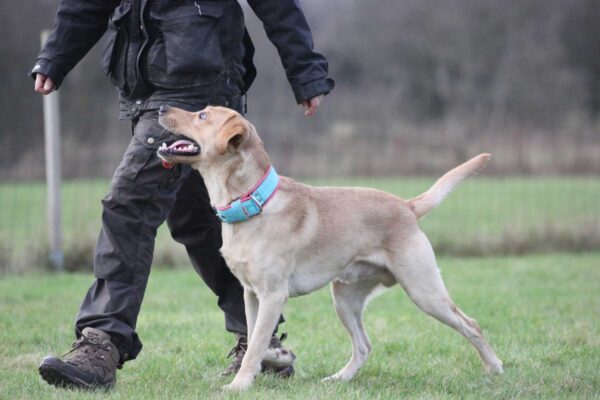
<point>181,142</point>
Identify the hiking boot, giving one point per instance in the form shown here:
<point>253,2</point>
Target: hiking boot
<point>237,352</point>
<point>279,364</point>
<point>91,363</point>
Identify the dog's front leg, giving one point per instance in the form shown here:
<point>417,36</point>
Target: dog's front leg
<point>251,308</point>
<point>270,306</point>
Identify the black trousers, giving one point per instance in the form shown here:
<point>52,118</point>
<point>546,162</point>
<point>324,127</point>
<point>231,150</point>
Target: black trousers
<point>143,195</point>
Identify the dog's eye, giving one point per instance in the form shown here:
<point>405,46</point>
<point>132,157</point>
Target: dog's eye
<point>202,115</point>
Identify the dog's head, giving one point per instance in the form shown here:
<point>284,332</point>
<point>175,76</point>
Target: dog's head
<point>213,133</point>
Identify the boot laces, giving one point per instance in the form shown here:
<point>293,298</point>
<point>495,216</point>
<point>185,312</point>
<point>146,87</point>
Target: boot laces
<point>84,352</point>
<point>240,348</point>
<point>276,342</point>
<point>242,344</point>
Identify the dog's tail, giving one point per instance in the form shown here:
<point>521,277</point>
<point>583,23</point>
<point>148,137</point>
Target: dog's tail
<point>425,202</point>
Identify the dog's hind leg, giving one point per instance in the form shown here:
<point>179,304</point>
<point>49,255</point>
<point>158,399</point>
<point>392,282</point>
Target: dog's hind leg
<point>350,301</point>
<point>416,270</point>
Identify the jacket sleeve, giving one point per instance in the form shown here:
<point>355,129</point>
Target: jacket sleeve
<point>78,26</point>
<point>287,28</point>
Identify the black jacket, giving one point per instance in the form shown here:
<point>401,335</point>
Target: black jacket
<point>178,44</point>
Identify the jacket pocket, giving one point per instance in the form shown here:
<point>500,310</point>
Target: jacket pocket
<point>187,45</point>
<point>136,158</point>
<point>113,57</point>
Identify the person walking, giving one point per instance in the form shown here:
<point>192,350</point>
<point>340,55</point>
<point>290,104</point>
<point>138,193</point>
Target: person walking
<point>188,54</point>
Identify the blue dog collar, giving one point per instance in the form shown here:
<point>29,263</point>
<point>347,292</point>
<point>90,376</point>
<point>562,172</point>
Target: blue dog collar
<point>252,202</point>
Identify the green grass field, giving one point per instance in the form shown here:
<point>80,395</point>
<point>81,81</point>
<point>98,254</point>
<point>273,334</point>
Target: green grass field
<point>540,313</point>
<point>484,216</point>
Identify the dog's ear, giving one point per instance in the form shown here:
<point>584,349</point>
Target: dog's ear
<point>232,133</point>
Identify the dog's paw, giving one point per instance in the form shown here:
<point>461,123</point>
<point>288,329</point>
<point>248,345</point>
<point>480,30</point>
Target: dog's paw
<point>238,385</point>
<point>235,388</point>
<point>337,377</point>
<point>494,368</point>
<point>332,378</point>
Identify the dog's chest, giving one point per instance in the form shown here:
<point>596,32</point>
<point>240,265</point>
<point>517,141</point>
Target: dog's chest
<point>238,261</point>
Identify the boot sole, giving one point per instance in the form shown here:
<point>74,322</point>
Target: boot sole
<point>281,372</point>
<point>63,375</point>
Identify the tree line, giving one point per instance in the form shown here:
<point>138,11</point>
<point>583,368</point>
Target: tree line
<point>413,77</point>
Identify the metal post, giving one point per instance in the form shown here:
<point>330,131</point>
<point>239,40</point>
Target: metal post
<point>53,175</point>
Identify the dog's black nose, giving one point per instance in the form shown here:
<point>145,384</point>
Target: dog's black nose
<point>163,110</point>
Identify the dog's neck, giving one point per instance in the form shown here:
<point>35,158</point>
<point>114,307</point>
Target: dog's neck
<point>236,176</point>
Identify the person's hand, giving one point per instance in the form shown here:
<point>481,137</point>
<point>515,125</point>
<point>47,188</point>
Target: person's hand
<point>310,106</point>
<point>43,84</point>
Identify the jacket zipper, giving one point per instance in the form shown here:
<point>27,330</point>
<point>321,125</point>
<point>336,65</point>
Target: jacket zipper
<point>144,42</point>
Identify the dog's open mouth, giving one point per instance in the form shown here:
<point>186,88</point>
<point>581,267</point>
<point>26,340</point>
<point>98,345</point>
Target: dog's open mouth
<point>181,147</point>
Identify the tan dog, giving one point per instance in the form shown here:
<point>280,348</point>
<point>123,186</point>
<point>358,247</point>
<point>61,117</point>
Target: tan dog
<point>358,239</point>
